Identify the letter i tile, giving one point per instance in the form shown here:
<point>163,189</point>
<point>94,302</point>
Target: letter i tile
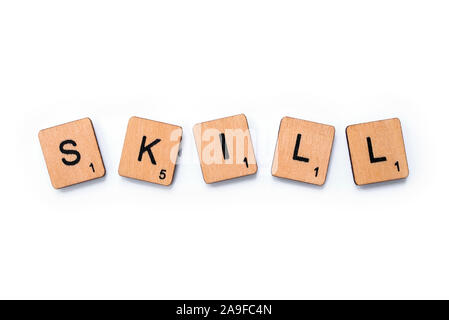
<point>150,151</point>
<point>225,149</point>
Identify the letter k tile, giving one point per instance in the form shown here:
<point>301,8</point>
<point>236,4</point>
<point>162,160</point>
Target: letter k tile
<point>150,151</point>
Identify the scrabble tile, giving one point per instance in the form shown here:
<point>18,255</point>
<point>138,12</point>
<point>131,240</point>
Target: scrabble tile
<point>377,151</point>
<point>225,149</point>
<point>150,151</point>
<point>303,151</point>
<point>71,153</point>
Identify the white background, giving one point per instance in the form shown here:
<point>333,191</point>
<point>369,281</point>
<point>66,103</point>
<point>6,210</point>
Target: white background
<point>184,62</point>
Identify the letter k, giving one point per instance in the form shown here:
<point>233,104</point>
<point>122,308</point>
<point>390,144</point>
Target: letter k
<point>147,148</point>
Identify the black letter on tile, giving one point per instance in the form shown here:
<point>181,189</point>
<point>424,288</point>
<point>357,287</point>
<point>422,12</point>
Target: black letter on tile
<point>224,148</point>
<point>371,153</point>
<point>147,148</point>
<point>295,154</point>
<point>74,152</point>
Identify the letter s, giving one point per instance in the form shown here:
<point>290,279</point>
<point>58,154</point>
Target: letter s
<point>74,152</point>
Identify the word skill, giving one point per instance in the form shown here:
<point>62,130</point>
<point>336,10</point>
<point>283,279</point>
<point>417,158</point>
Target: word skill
<point>225,150</point>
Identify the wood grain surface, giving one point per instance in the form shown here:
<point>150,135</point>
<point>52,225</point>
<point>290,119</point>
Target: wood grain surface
<point>150,151</point>
<point>71,153</point>
<point>303,151</point>
<point>377,151</point>
<point>225,149</point>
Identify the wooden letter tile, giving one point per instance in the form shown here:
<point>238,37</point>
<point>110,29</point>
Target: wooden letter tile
<point>303,151</point>
<point>150,151</point>
<point>377,151</point>
<point>225,149</point>
<point>71,153</point>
